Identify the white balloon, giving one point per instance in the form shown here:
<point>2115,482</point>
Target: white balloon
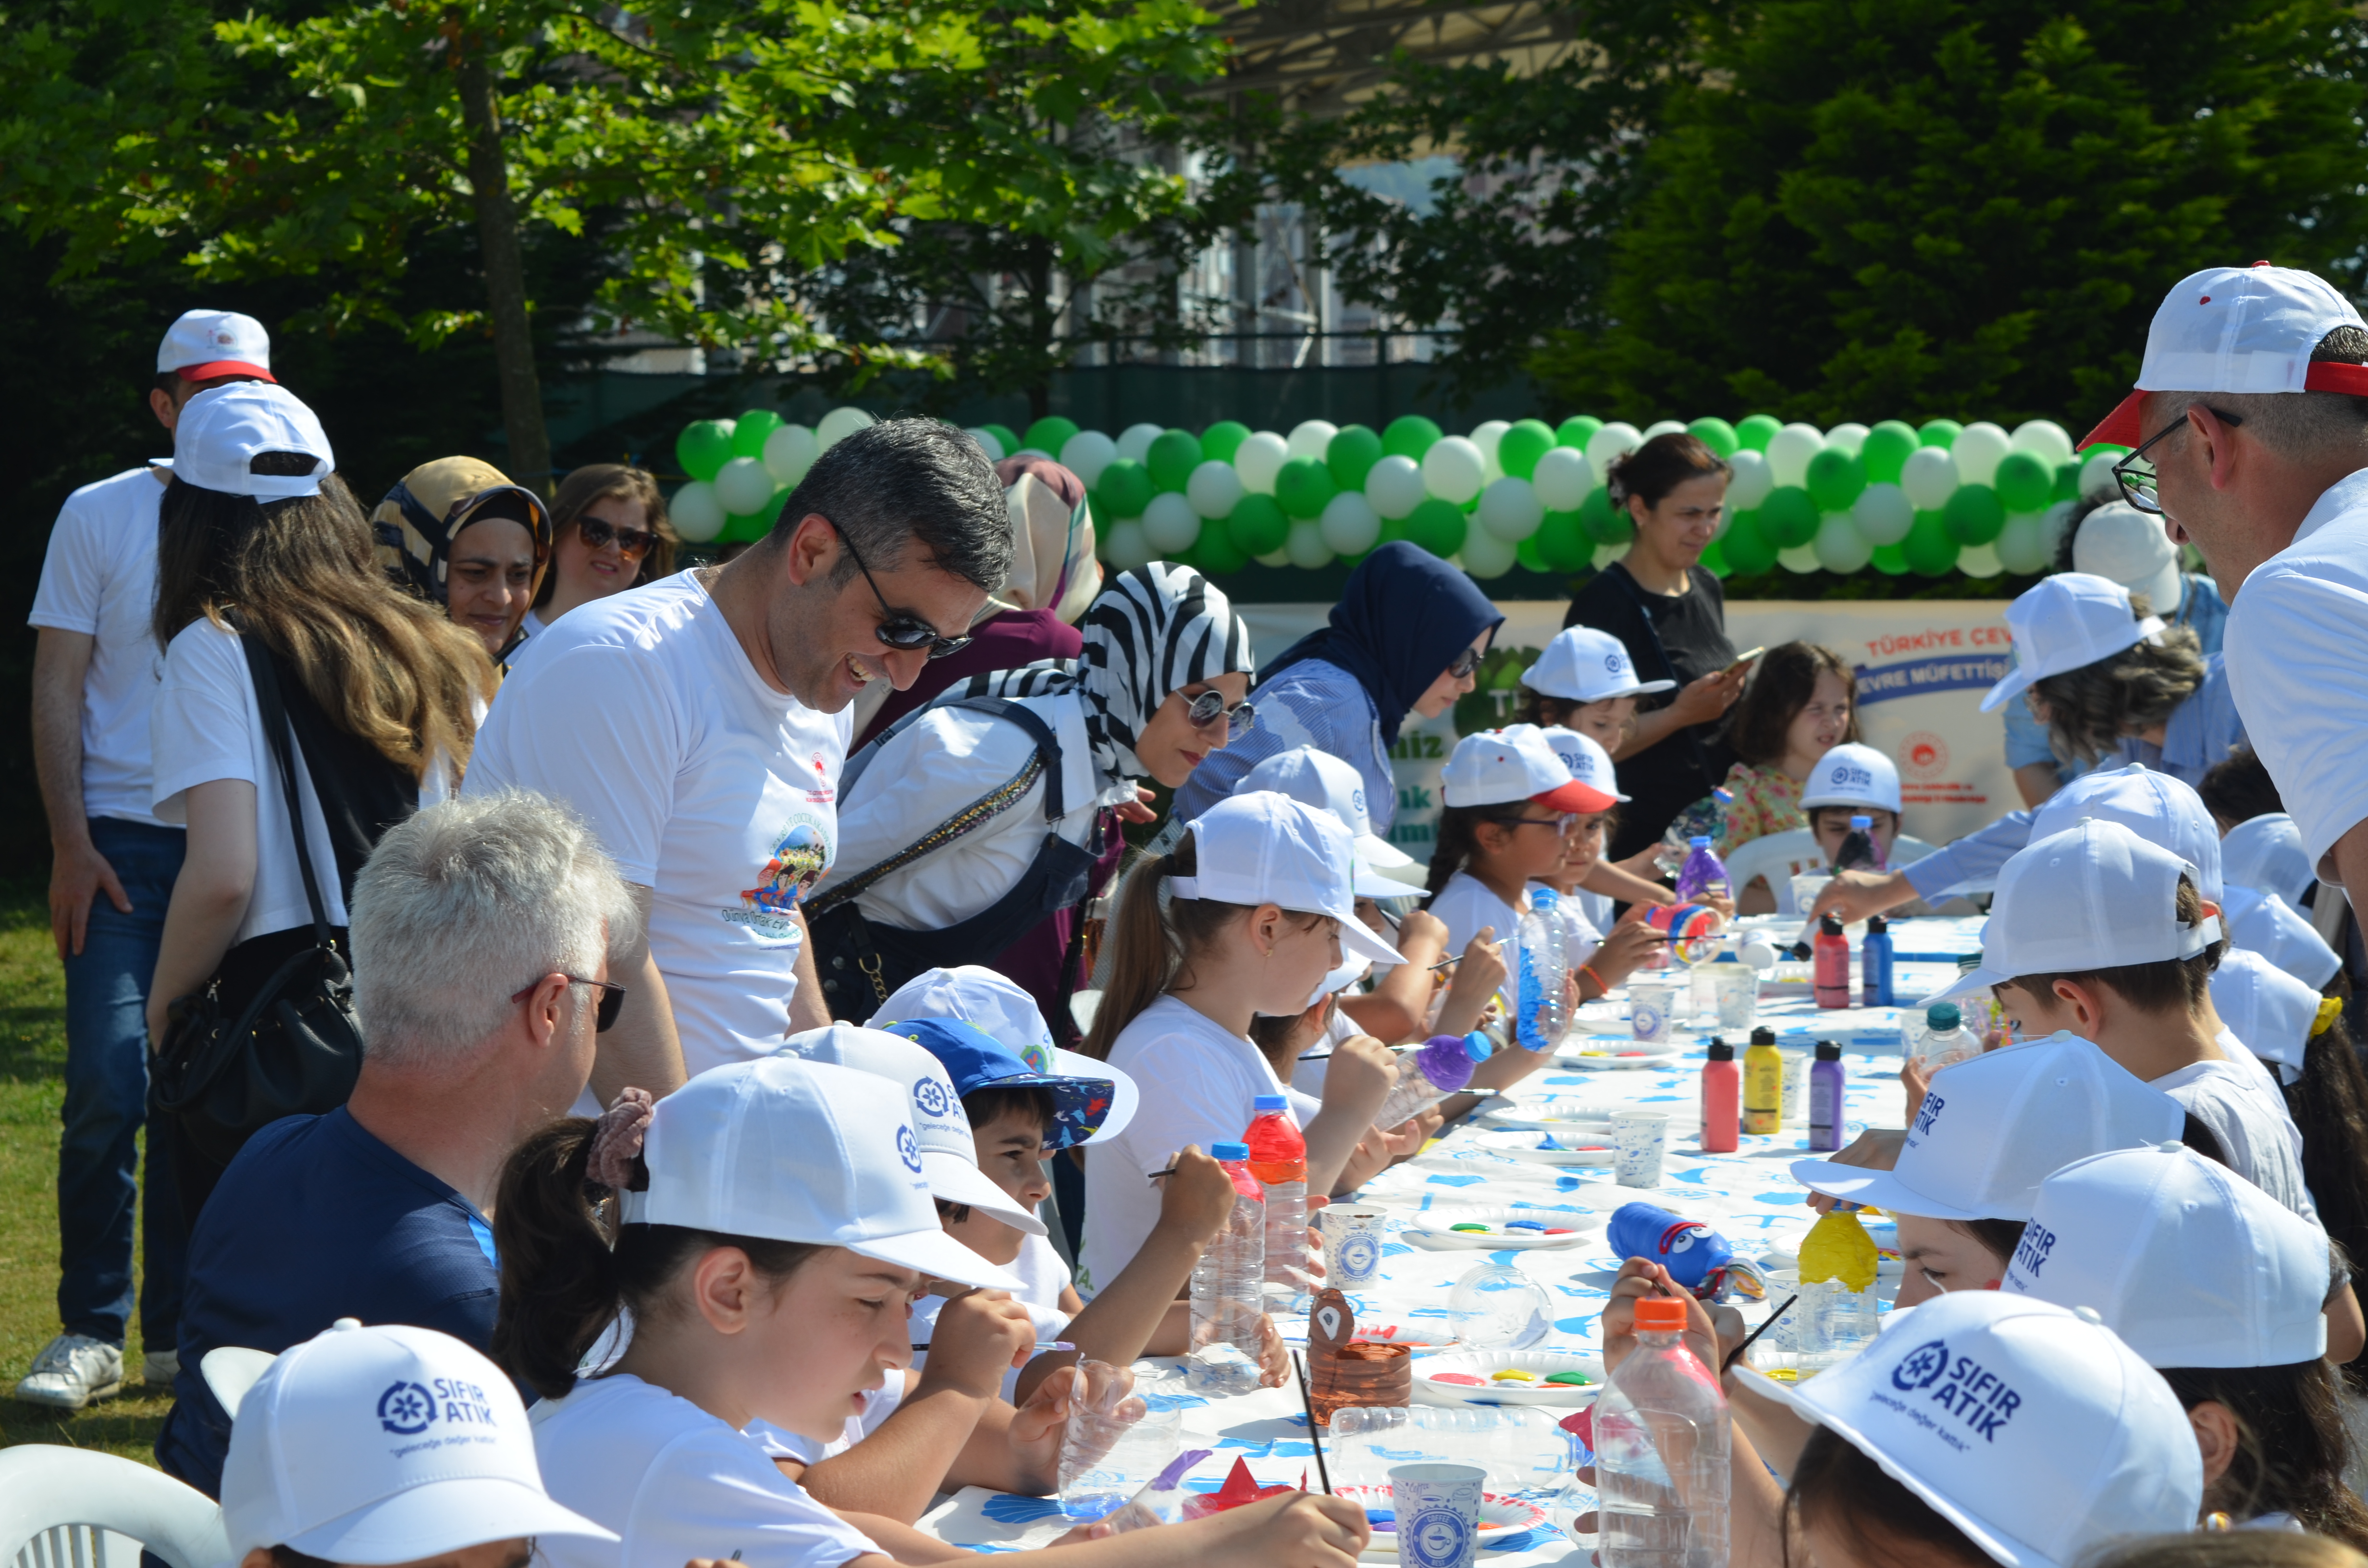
<point>988,442</point>
<point>1663,427</point>
<point>1800,558</point>
<point>2097,477</point>
<point>1307,547</point>
<point>1562,476</point>
<point>1486,436</point>
<point>696,512</point>
<point>1929,478</point>
<point>1135,441</point>
<point>1170,524</point>
<point>1273,558</point>
<point>1615,440</point>
<point>2044,440</point>
<point>2022,545</point>
<point>1486,555</point>
<point>1349,525</point>
<point>1883,513</point>
<point>1749,480</point>
<point>1839,546</point>
<point>1789,452</point>
<point>1125,547</point>
<point>1312,439</point>
<point>1394,486</point>
<point>744,486</point>
<point>1259,459</point>
<point>2057,518</point>
<point>1510,509</point>
<point>792,449</point>
<point>1214,489</point>
<point>1980,560</point>
<point>1977,450</point>
<point>1850,437</point>
<point>1086,453</point>
<point>1035,452</point>
<point>1454,469</point>
<point>838,425</point>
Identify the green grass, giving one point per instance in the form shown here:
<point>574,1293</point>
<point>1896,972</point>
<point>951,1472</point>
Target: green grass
<point>32,1087</point>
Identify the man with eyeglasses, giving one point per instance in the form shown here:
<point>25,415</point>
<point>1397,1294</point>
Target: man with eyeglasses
<point>700,722</point>
<point>2249,432</point>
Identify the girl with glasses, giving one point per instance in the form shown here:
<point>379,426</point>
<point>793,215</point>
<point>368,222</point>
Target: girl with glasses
<point>609,533</point>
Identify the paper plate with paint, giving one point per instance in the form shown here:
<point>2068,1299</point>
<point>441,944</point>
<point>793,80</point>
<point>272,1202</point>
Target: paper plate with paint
<point>1551,1146</point>
<point>1508,1377</point>
<point>1485,1229</point>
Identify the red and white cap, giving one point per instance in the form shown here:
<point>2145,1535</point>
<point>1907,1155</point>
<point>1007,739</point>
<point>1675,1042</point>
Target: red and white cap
<point>1498,768</point>
<point>2238,329</point>
<point>206,344</point>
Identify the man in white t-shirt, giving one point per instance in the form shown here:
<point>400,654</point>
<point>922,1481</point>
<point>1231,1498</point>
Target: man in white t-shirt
<point>111,871</point>
<point>699,723</point>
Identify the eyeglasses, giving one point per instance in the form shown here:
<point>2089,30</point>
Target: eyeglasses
<point>2136,478</point>
<point>1562,822</point>
<point>1203,711</point>
<point>597,532</point>
<point>612,999</point>
<point>902,630</point>
<point>1465,663</point>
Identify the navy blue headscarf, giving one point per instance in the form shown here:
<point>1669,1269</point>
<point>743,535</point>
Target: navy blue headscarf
<point>1403,616</point>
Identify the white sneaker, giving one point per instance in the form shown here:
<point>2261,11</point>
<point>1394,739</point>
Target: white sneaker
<point>72,1370</point>
<point>159,1367</point>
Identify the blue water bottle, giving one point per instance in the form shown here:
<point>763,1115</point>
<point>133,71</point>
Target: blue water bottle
<point>1696,1256</point>
<point>1875,964</point>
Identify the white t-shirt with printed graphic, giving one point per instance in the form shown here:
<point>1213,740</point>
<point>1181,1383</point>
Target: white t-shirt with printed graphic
<point>705,785</point>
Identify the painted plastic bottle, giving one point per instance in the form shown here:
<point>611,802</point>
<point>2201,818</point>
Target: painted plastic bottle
<point>1827,1104</point>
<point>1696,1256</point>
<point>1722,1097</point>
<point>1440,1066</point>
<point>1228,1297</point>
<point>1543,1014</point>
<point>1703,872</point>
<point>1661,1451</point>
<point>1829,965</point>
<point>1279,1161</point>
<point>1763,1083</point>
<point>1875,964</point>
<point>1861,850</point>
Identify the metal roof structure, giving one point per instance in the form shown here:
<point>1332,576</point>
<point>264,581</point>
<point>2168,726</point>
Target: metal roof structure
<point>1325,56</point>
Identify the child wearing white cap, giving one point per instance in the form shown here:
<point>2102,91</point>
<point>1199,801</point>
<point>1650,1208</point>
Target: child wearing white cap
<point>1601,960</point>
<point>1585,680</point>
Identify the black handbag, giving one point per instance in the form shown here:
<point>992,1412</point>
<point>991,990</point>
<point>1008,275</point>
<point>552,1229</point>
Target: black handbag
<point>230,1064</point>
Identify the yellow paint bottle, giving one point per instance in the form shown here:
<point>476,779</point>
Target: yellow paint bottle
<point>1763,1083</point>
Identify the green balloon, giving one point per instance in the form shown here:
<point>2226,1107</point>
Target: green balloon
<point>1528,555</point>
<point>1256,524</point>
<point>1886,450</point>
<point>1223,438</point>
<point>1836,479</point>
<point>1577,430</point>
<point>1173,456</point>
<point>748,432</point>
<point>1751,433</point>
<point>1217,553</point>
<point>1410,436</point>
<point>2022,482</point>
<point>2067,481</point>
<point>1003,437</point>
<point>1352,456</point>
<point>1438,525</point>
<point>1975,514</point>
<point>1716,434</point>
<point>704,447</point>
<point>1125,491</point>
<point>1788,516</point>
<point>1891,560</point>
<point>1942,433</point>
<point>1563,540</point>
<point>1603,524</point>
<point>747,527</point>
<point>1929,548</point>
<point>1304,486</point>
<point>1519,450</point>
<point>1050,434</point>
<point>1714,559</point>
<point>1747,546</point>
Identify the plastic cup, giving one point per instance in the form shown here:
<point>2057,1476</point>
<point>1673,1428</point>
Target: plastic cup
<point>1806,886</point>
<point>1353,1234</point>
<point>1795,1089</point>
<point>1107,1457</point>
<point>1438,1509</point>
<point>1737,988</point>
<point>1649,1004</point>
<point>1638,1139</point>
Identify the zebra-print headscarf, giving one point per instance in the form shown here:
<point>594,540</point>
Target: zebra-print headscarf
<point>1148,631</point>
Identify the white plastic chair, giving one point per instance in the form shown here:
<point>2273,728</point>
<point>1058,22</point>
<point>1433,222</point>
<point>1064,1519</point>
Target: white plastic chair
<point>64,1507</point>
<point>1780,856</point>
<point>230,1371</point>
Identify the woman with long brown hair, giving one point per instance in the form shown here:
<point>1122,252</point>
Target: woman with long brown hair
<point>609,532</point>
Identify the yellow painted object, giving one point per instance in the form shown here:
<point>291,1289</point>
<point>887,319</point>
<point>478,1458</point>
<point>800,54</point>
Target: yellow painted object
<point>1837,1247</point>
<point>1510,1376</point>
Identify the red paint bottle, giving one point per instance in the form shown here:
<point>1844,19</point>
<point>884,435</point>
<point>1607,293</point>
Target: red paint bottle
<point>1830,966</point>
<point>1722,1099</point>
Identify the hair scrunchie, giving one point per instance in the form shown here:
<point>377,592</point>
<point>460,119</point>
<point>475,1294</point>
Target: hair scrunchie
<point>617,1139</point>
<point>2330,1009</point>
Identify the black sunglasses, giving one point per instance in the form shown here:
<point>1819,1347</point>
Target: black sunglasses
<point>2138,482</point>
<point>902,630</point>
<point>612,1000</point>
<point>1205,710</point>
<point>597,532</point>
<point>1465,663</point>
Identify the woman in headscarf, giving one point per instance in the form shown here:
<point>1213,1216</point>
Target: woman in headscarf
<point>460,535</point>
<point>983,821</point>
<point>1406,637</point>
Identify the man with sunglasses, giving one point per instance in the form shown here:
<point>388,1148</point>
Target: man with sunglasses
<point>483,931</point>
<point>699,724</point>
<point>2249,432</point>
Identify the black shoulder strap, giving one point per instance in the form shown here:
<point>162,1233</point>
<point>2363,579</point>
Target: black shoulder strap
<point>276,729</point>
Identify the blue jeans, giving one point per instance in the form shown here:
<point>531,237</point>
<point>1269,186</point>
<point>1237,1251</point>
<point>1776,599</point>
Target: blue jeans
<point>106,1105</point>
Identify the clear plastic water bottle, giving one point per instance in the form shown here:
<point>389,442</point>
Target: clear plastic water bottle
<point>1542,1017</point>
<point>1228,1296</point>
<point>1279,1161</point>
<point>1861,850</point>
<point>1440,1067</point>
<point>1944,1039</point>
<point>1702,872</point>
<point>1661,1451</point>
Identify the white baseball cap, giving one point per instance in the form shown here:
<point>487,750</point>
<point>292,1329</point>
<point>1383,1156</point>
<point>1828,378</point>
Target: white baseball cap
<point>2095,896</point>
<point>2238,329</point>
<point>2124,545</point>
<point>1993,1408</point>
<point>790,1150</point>
<point>1265,847</point>
<point>206,344</point>
<point>1992,1127</point>
<point>1852,774</point>
<point>224,428</point>
<point>948,1153</point>
<point>2190,1263</point>
<point>385,1444</point>
<point>1582,664</point>
<point>1498,768</point>
<point>1323,781</point>
<point>2271,1012</point>
<point>2164,811</point>
<point>977,995</point>
<point>2265,924</point>
<point>2266,852</point>
<point>2063,623</point>
<point>1584,757</point>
